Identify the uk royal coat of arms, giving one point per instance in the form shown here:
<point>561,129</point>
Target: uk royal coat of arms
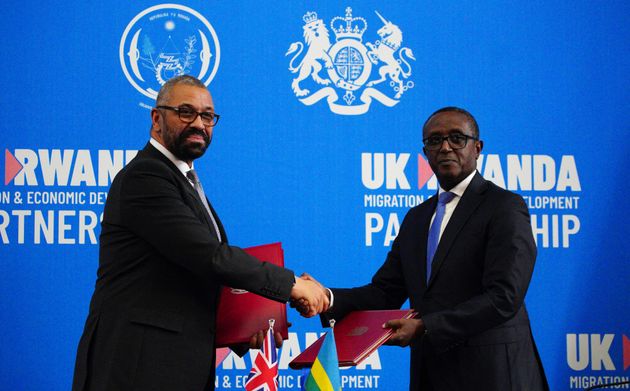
<point>359,72</point>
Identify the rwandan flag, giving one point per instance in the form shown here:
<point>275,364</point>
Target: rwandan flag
<point>324,374</point>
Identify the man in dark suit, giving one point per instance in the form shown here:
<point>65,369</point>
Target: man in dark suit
<point>473,331</point>
<point>163,258</point>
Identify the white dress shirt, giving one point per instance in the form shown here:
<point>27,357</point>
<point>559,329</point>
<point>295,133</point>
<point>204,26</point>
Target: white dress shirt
<point>180,164</point>
<point>458,190</point>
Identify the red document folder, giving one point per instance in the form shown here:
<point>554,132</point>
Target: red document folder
<point>241,314</point>
<point>356,337</point>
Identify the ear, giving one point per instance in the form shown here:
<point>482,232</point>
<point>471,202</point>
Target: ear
<point>478,146</point>
<point>424,151</point>
<point>155,120</point>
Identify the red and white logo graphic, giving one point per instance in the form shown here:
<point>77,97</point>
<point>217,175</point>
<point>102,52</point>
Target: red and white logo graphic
<point>11,166</point>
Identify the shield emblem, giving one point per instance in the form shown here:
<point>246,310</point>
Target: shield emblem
<point>351,67</point>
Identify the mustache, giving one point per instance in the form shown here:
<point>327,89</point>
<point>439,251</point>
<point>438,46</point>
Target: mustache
<point>194,131</point>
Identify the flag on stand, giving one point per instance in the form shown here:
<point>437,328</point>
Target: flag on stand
<point>324,375</point>
<point>264,373</point>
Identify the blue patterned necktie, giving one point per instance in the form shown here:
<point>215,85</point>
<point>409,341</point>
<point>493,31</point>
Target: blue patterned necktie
<point>194,178</point>
<point>434,232</point>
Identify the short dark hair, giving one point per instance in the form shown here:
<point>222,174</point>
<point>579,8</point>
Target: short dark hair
<point>165,91</point>
<point>455,109</point>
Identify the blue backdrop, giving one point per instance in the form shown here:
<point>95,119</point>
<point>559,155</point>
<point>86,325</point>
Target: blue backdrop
<point>330,171</point>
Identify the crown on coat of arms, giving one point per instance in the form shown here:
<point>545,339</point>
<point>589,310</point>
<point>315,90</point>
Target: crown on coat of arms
<point>349,27</point>
<point>309,17</point>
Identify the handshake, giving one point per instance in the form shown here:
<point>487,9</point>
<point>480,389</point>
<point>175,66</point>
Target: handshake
<point>309,297</point>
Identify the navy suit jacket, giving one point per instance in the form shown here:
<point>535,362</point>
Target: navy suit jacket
<point>478,332</point>
<point>151,322</point>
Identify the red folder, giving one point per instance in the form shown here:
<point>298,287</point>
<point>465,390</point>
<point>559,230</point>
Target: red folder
<point>242,314</point>
<point>356,337</point>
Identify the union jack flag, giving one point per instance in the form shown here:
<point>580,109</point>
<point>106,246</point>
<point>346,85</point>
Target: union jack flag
<point>264,373</point>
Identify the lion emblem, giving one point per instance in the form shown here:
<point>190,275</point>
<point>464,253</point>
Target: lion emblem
<point>318,42</point>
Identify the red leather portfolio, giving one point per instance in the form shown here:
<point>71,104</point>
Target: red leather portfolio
<point>356,337</point>
<point>241,314</point>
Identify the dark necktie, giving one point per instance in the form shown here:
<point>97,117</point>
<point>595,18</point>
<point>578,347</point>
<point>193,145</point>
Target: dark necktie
<point>434,231</point>
<point>192,175</point>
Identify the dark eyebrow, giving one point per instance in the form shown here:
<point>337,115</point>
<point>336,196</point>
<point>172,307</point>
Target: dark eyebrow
<point>458,130</point>
<point>208,109</point>
<point>450,131</point>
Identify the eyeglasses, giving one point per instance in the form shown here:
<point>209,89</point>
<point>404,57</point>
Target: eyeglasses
<point>189,115</point>
<point>455,140</point>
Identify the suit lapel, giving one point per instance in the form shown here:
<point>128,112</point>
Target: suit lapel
<point>151,151</point>
<point>217,220</point>
<point>471,198</point>
<point>205,214</point>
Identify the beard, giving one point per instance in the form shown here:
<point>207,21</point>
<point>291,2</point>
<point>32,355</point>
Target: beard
<point>184,149</point>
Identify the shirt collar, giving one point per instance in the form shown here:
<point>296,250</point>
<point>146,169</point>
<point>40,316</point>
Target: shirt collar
<point>180,164</point>
<point>461,187</point>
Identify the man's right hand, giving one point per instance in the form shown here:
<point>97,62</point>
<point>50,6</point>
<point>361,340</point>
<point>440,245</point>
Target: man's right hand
<point>302,305</point>
<point>311,297</point>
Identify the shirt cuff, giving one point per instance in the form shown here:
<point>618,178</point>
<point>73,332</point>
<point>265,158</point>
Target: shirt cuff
<point>332,298</point>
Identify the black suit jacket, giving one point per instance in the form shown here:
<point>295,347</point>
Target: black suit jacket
<point>152,316</point>
<point>478,333</point>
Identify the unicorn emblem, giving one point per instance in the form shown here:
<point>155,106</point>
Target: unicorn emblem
<point>384,51</point>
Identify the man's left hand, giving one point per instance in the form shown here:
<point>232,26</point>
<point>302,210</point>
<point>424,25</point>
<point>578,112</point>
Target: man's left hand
<point>256,341</point>
<point>405,331</point>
